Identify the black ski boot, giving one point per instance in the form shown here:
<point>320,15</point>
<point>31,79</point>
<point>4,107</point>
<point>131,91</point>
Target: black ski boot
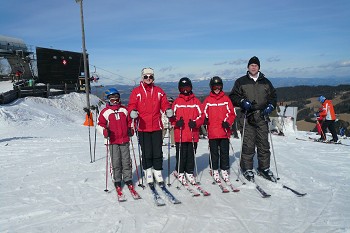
<point>267,174</point>
<point>249,175</point>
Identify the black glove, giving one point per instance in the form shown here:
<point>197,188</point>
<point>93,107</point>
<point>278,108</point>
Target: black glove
<point>192,124</point>
<point>225,125</point>
<point>180,123</point>
<point>86,110</point>
<point>130,132</point>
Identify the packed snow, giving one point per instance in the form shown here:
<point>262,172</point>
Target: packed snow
<point>48,183</point>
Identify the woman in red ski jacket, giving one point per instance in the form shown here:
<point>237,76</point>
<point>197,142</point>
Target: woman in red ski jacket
<point>146,104</point>
<point>220,114</point>
<point>188,119</point>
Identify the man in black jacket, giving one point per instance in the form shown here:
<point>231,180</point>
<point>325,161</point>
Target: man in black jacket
<point>257,98</point>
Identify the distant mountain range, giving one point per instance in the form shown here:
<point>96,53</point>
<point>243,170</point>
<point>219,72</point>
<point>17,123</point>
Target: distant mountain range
<point>201,87</point>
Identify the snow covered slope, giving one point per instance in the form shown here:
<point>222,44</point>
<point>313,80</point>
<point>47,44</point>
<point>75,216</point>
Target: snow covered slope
<point>47,183</point>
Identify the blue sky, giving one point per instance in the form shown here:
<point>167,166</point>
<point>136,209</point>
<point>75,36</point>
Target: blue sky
<point>193,38</point>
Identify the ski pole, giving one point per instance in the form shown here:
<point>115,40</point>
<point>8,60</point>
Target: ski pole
<point>240,156</point>
<point>195,158</point>
<point>97,113</point>
<point>136,167</point>
<point>88,115</point>
<point>106,190</point>
<point>169,153</point>
<point>273,151</point>
<point>140,154</point>
<point>178,163</point>
<point>322,133</point>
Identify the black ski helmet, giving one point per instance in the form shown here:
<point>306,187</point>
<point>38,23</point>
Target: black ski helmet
<point>215,81</point>
<point>184,82</point>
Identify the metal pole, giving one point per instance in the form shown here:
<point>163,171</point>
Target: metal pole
<point>87,87</point>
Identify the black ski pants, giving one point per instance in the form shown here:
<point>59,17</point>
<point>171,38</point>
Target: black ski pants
<point>219,151</point>
<point>330,125</point>
<point>186,157</point>
<point>256,134</point>
<point>151,146</point>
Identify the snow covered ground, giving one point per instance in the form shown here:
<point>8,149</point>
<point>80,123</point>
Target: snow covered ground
<point>47,183</point>
<point>5,86</point>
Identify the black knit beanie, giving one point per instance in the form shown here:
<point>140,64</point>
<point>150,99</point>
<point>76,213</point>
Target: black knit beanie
<point>254,60</point>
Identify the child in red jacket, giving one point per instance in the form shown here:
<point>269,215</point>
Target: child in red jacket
<point>188,119</point>
<point>220,114</point>
<point>115,125</point>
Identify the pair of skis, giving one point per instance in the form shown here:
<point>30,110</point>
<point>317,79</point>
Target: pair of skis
<point>193,191</point>
<point>159,201</point>
<point>264,194</point>
<point>316,140</point>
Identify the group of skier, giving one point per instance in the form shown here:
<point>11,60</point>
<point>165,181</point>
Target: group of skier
<point>253,93</point>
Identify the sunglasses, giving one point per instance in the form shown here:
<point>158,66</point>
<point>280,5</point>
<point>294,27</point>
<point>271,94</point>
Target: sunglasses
<point>185,89</point>
<point>148,76</point>
<point>217,87</point>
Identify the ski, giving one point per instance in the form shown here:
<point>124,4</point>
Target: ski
<point>169,195</point>
<point>310,139</point>
<point>294,191</point>
<point>157,199</point>
<point>221,186</point>
<point>134,193</point>
<point>193,192</point>
<point>286,187</point>
<point>261,191</point>
<point>233,188</point>
<point>201,190</point>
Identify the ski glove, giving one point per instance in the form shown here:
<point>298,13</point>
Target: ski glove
<point>268,109</point>
<point>87,110</point>
<point>180,123</point>
<point>317,114</point>
<point>169,113</point>
<point>192,124</point>
<point>134,114</point>
<point>106,133</point>
<point>130,132</point>
<point>225,125</point>
<point>246,104</point>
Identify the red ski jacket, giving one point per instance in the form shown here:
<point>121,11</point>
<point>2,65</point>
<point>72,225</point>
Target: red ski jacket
<point>187,107</point>
<point>218,108</point>
<point>115,119</point>
<point>150,101</point>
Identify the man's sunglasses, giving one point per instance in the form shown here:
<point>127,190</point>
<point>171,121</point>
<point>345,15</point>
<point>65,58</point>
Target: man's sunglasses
<point>148,76</point>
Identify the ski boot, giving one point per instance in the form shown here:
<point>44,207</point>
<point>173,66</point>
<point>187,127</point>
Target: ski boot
<point>267,174</point>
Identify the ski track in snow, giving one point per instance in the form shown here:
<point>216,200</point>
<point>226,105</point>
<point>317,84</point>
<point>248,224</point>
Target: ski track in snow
<point>49,185</point>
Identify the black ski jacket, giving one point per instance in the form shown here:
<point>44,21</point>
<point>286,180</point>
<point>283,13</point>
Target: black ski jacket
<point>260,93</point>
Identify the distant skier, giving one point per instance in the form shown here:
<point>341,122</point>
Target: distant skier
<point>220,114</point>
<point>188,119</point>
<point>329,116</point>
<point>256,96</point>
<point>115,125</point>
